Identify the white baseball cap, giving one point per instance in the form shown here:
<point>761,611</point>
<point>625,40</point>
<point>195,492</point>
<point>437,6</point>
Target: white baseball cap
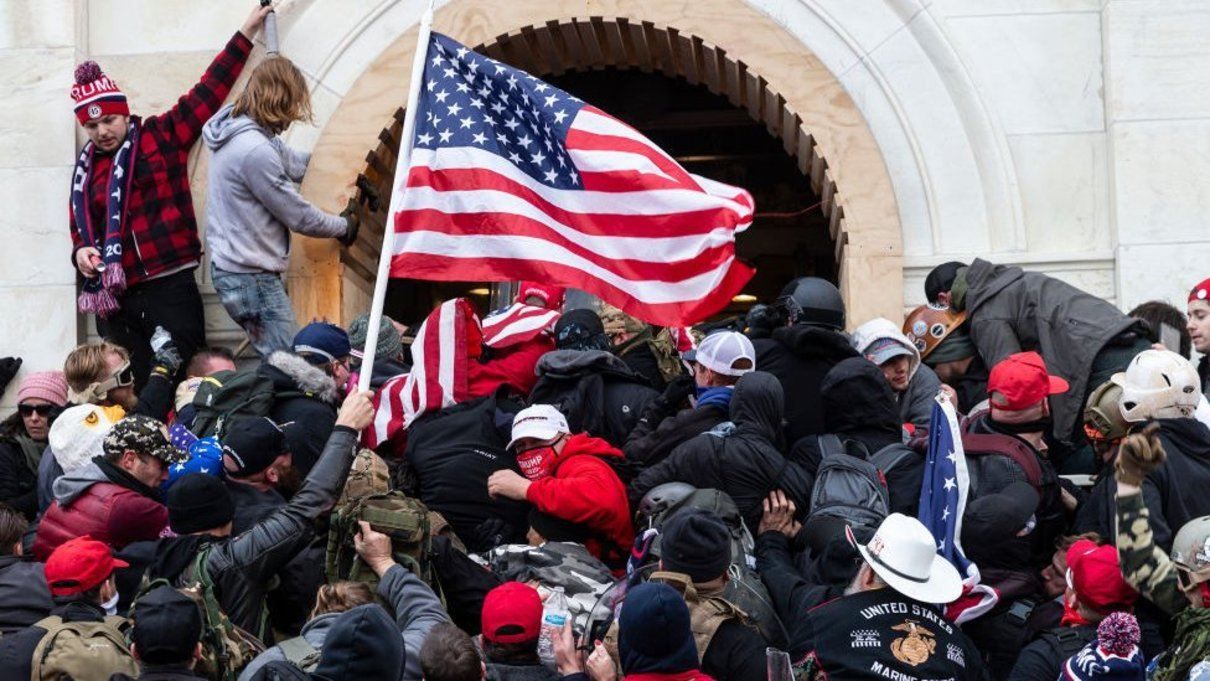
<point>903,553</point>
<point>720,351</point>
<point>540,422</point>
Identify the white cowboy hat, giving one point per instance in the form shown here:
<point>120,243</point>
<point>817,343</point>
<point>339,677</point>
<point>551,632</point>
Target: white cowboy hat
<point>903,553</point>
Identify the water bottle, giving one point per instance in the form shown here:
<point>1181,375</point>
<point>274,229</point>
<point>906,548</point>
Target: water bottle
<point>555,612</point>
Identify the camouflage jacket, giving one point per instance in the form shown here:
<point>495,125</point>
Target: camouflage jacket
<point>583,577</point>
<point>1144,565</point>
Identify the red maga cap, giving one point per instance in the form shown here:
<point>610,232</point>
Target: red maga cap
<point>1020,381</point>
<point>79,565</point>
<point>1200,292</point>
<point>1097,578</point>
<point>512,613</point>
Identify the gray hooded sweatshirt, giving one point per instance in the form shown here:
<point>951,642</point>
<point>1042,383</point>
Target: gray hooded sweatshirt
<point>252,201</point>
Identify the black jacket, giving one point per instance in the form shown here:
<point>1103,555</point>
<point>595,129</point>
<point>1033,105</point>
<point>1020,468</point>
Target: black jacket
<point>800,356</point>
<point>1042,659</point>
<point>637,354</point>
<point>308,404</point>
<point>453,452</point>
<point>1175,493</point>
<point>24,596</point>
<point>242,566</point>
<point>18,482</point>
<point>17,649</point>
<point>597,392</point>
<point>747,464</point>
<point>657,435</point>
<point>736,652</point>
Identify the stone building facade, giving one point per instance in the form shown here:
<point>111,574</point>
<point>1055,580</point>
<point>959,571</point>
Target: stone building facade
<point>1070,136</point>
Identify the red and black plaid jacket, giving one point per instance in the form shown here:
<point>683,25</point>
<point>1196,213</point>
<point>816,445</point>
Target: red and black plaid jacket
<point>161,231</point>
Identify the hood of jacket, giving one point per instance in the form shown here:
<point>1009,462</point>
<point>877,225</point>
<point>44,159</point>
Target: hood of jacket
<point>814,341</point>
<point>985,280</point>
<point>363,644</point>
<point>858,400</point>
<point>583,444</point>
<point>291,372</point>
<point>579,362</point>
<point>1189,436</point>
<point>223,126</point>
<point>69,487</point>
<point>758,405</point>
<point>881,328</point>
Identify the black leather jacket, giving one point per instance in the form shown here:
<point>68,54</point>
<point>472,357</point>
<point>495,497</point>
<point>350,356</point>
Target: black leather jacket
<point>242,567</point>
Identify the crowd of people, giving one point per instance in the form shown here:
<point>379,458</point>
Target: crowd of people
<point>559,493</point>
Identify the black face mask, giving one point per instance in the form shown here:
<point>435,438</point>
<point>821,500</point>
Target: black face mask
<point>1041,425</point>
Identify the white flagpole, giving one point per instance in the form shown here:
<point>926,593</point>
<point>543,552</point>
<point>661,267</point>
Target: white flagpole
<point>402,164</point>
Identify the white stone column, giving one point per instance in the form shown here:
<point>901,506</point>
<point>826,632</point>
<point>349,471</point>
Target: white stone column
<point>37,283</point>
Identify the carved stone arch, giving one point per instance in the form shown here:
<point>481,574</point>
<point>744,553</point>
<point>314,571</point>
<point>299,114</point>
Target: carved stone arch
<point>763,71</point>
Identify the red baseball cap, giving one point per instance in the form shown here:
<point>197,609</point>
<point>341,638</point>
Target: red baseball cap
<point>1020,381</point>
<point>79,565</point>
<point>512,613</point>
<point>1096,577</point>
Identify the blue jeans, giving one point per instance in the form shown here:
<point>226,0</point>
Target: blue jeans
<point>259,304</point>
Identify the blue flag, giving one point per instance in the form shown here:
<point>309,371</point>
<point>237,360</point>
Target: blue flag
<point>944,489</point>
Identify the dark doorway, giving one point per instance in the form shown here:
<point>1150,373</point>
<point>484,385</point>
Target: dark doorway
<point>709,136</point>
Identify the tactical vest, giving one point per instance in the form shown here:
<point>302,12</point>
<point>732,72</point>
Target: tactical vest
<point>707,612</point>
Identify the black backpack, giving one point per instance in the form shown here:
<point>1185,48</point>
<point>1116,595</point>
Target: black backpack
<point>850,483</point>
<point>224,394</point>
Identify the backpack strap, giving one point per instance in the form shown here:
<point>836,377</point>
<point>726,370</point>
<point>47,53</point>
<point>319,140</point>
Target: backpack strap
<point>830,446</point>
<point>299,652</point>
<point>1064,641</point>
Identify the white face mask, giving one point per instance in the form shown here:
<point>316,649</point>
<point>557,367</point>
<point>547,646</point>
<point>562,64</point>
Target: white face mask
<point>111,606</point>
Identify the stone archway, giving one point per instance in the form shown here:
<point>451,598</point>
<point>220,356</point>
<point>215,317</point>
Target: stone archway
<point>725,46</point>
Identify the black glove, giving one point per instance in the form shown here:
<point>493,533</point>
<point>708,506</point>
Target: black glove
<point>369,194</point>
<point>352,224</point>
<point>489,534</point>
<point>9,366</point>
<point>678,390</point>
<point>166,354</point>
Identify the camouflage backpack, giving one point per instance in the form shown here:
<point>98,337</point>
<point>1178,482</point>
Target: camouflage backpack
<point>409,524</point>
<point>368,475</point>
<point>226,648</point>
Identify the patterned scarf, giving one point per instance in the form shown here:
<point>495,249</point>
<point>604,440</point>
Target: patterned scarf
<point>1191,644</point>
<point>100,294</point>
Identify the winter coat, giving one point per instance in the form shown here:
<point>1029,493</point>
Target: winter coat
<point>582,488</point>
<point>104,502</point>
<point>17,649</point>
<point>252,199</point>
<point>498,671</point>
<point>597,392</point>
<point>452,454</point>
<point>242,566</point>
<point>1010,310</point>
<point>514,366</point>
<point>24,596</point>
<point>311,415</point>
<point>800,356</point>
<point>1043,658</point>
<point>745,462</point>
<point>656,436</point>
<point>736,651</point>
<point>417,610</point>
<point>1174,493</point>
<point>161,230</point>
<point>18,482</point>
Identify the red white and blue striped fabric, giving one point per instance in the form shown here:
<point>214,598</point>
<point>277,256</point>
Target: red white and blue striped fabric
<point>511,178</point>
<point>518,323</point>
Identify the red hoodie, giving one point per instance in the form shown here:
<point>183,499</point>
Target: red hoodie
<point>584,489</point>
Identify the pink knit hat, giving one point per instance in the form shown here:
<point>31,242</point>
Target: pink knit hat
<point>47,385</point>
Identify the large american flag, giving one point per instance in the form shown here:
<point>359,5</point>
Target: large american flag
<point>512,178</point>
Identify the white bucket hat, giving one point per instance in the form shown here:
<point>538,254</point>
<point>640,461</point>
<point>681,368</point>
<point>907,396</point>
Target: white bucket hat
<point>540,422</point>
<point>903,553</point>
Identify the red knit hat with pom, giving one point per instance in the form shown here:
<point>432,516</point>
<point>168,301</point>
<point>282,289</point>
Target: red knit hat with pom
<point>96,94</point>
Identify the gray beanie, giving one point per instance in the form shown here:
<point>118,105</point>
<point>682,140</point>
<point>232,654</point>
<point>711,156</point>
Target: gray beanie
<point>390,345</point>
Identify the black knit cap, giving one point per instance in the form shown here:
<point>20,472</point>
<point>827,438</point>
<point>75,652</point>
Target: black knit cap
<point>941,278</point>
<point>167,626</point>
<point>199,502</point>
<point>697,543</point>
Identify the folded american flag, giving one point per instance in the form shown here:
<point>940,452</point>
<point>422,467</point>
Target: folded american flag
<point>518,323</point>
<point>511,178</point>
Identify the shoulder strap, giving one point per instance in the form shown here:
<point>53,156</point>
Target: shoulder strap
<point>298,651</point>
<point>830,446</point>
<point>1065,641</point>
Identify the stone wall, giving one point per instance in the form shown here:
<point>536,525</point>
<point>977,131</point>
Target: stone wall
<point>1064,135</point>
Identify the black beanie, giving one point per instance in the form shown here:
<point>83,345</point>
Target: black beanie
<point>941,278</point>
<point>557,529</point>
<point>199,502</point>
<point>697,543</point>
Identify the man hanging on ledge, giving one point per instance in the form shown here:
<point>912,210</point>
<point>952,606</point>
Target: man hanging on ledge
<point>134,235</point>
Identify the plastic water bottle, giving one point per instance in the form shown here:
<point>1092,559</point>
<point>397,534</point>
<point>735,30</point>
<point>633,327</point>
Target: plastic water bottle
<point>555,612</point>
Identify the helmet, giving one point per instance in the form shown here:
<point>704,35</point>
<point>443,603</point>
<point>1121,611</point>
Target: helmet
<point>811,300</point>
<point>1191,549</point>
<point>663,497</point>
<point>1158,384</point>
<point>1103,413</point>
<point>928,325</point>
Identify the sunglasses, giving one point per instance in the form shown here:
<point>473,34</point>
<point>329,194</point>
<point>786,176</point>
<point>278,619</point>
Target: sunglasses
<point>28,410</point>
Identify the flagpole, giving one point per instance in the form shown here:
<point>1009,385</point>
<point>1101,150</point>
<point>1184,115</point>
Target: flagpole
<point>402,164</point>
